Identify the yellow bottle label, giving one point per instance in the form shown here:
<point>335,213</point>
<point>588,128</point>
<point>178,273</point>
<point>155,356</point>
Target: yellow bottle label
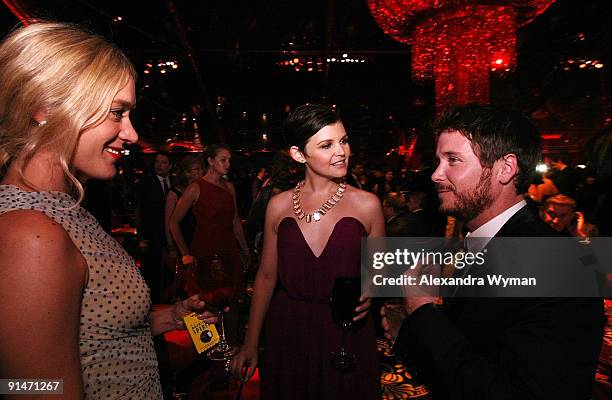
<point>203,335</point>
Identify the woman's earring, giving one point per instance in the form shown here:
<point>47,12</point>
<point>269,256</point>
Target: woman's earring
<point>41,123</point>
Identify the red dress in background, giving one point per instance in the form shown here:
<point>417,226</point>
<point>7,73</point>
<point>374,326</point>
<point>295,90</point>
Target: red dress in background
<point>300,333</point>
<point>214,233</point>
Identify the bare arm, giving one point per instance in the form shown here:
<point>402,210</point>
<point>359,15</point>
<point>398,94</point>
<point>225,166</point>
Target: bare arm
<point>265,281</point>
<point>42,276</point>
<point>171,200</point>
<point>376,220</point>
<point>238,231</point>
<point>191,195</point>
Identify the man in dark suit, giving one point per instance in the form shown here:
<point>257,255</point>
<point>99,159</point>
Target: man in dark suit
<point>394,211</point>
<point>152,192</point>
<point>419,219</point>
<point>496,348</point>
<point>355,174</point>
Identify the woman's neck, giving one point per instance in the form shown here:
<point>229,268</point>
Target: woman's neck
<point>43,173</point>
<point>213,177</point>
<point>316,183</point>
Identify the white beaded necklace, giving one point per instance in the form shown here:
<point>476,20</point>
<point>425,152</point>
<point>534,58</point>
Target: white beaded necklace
<point>325,207</point>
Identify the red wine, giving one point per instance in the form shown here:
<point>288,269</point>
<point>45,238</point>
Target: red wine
<point>345,298</point>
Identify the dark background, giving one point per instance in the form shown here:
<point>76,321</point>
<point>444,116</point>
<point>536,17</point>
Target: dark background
<point>237,47</point>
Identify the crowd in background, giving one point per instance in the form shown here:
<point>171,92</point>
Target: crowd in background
<point>573,200</point>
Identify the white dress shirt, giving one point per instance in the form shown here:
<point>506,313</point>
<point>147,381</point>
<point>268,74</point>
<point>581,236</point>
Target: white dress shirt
<point>489,229</point>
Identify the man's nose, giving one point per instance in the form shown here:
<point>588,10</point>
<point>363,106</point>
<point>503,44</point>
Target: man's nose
<point>438,175</point>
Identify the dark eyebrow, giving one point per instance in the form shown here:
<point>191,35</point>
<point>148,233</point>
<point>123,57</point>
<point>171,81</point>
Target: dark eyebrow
<point>451,153</point>
<point>331,140</point>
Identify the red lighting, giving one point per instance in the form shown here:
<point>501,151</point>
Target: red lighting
<point>457,42</point>
<point>551,136</point>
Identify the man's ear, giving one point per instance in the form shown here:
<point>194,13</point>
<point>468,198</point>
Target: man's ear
<point>297,155</point>
<point>508,168</point>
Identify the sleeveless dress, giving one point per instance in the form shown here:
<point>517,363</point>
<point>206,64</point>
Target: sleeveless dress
<point>214,233</point>
<point>300,333</point>
<point>115,341</point>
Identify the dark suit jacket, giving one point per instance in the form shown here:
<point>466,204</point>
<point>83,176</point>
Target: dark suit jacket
<point>350,180</point>
<point>397,226</point>
<point>419,224</point>
<point>506,348</point>
<point>151,204</point>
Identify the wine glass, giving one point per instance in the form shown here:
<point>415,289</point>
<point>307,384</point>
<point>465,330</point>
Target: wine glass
<point>345,298</point>
<point>217,291</point>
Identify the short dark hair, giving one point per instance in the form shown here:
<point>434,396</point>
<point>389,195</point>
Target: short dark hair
<point>305,121</point>
<point>494,132</point>
<point>396,201</point>
<point>164,153</point>
<point>420,197</point>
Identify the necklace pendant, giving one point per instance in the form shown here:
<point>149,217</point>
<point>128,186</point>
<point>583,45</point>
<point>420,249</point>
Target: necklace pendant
<point>316,216</point>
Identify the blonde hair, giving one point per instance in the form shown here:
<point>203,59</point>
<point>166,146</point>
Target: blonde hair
<point>64,72</point>
<point>561,200</point>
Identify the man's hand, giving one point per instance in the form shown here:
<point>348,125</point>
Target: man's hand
<point>418,295</point>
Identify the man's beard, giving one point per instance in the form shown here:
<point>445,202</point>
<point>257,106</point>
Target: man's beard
<point>469,205</point>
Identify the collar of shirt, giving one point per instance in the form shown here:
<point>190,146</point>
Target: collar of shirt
<point>490,228</point>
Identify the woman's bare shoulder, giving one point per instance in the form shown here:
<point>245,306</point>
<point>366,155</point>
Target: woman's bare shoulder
<point>279,207</point>
<point>35,238</point>
<point>362,197</point>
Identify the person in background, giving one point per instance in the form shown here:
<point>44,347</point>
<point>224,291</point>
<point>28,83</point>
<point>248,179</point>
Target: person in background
<point>419,218</point>
<point>283,177</point>
<point>394,211</point>
<point>218,235</point>
<point>312,236</point>
<point>189,170</point>
<point>74,306</point>
<point>560,213</point>
<point>590,195</point>
<point>352,178</point>
<point>564,176</point>
<point>150,222</point>
<point>258,181</point>
<point>540,191</point>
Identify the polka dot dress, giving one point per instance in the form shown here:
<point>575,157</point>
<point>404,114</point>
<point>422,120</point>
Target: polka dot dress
<point>117,356</point>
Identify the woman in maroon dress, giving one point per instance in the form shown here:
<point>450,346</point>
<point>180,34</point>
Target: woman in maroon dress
<point>312,236</point>
<point>218,234</point>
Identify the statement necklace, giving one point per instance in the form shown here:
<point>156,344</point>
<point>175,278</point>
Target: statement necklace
<point>325,207</point>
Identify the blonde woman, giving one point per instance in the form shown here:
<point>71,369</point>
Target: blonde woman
<point>73,306</point>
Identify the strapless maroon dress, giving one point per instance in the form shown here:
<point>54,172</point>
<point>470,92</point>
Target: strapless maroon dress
<point>300,333</point>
